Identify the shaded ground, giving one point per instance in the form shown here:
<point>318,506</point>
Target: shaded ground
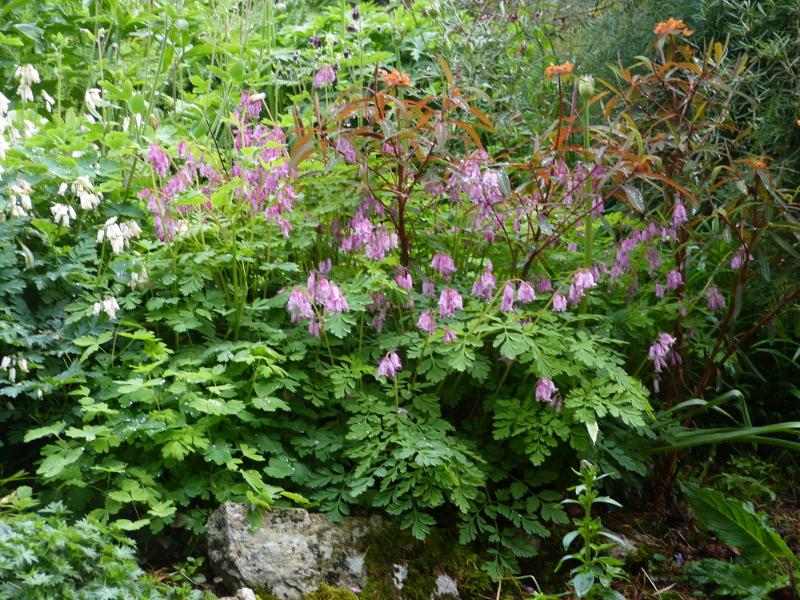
<point>667,539</point>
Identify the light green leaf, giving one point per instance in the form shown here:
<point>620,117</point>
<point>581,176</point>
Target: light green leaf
<point>40,432</point>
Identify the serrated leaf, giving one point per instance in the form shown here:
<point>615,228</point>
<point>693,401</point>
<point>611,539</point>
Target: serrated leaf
<point>735,525</point>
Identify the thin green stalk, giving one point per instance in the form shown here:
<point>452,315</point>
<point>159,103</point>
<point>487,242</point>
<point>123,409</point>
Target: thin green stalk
<point>588,207</point>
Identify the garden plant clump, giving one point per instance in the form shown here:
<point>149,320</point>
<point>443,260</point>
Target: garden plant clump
<point>286,257</point>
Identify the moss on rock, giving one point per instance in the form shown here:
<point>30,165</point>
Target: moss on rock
<point>395,554</point>
<point>325,592</point>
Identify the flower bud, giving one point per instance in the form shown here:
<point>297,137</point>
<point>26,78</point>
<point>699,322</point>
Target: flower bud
<point>586,87</point>
<point>398,33</point>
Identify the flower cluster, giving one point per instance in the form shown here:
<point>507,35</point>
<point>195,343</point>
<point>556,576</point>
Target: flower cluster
<point>324,77</point>
<point>93,98</point>
<point>546,392</point>
<point>449,302</point>
<point>139,279</point>
<point>395,78</point>
<point>584,280</point>
<point>319,297</point>
<point>472,179</point>
<point>672,26</point>
<point>10,364</point>
<point>426,322</point>
<point>62,214</point>
<point>660,350</point>
<point>444,265</point>
<point>374,240</point>
<point>107,305</point>
<point>264,178</point>
<point>561,70</point>
<point>716,301</point>
<point>23,189</point>
<point>118,235</point>
<point>740,257</point>
<point>27,76</point>
<point>389,365</point>
<point>82,187</point>
<point>485,286</point>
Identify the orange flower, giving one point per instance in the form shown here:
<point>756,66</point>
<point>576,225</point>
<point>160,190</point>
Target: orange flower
<point>395,78</point>
<point>561,70</point>
<point>758,165</point>
<point>672,27</point>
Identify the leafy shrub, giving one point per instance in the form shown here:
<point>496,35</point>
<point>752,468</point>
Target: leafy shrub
<point>762,33</point>
<point>372,312</point>
<point>598,33</point>
<point>43,555</point>
<point>502,49</point>
<point>766,33</point>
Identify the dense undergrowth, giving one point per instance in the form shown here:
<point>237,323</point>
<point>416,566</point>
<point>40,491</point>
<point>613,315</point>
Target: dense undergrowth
<point>360,257</point>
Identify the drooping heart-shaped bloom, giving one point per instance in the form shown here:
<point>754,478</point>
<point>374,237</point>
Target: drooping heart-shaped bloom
<point>389,365</point>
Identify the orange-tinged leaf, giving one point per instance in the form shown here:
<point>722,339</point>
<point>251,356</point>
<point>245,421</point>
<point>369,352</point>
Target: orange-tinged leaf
<point>470,131</point>
<point>482,117</point>
<point>719,52</point>
<point>303,148</point>
<point>671,183</point>
<point>446,69</point>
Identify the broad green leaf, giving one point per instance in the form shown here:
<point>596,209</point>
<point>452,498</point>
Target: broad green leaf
<point>40,432</point>
<point>583,583</point>
<point>736,524</point>
<point>54,464</point>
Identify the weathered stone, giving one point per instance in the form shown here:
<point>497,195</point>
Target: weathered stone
<point>624,548</point>
<point>292,552</point>
<point>245,594</point>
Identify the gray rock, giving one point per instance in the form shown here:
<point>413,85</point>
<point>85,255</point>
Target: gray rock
<point>292,553</point>
<point>245,594</point>
<point>624,548</point>
<point>446,585</point>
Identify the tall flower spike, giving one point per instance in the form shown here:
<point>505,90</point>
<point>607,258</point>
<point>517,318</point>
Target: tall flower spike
<point>659,350</point>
